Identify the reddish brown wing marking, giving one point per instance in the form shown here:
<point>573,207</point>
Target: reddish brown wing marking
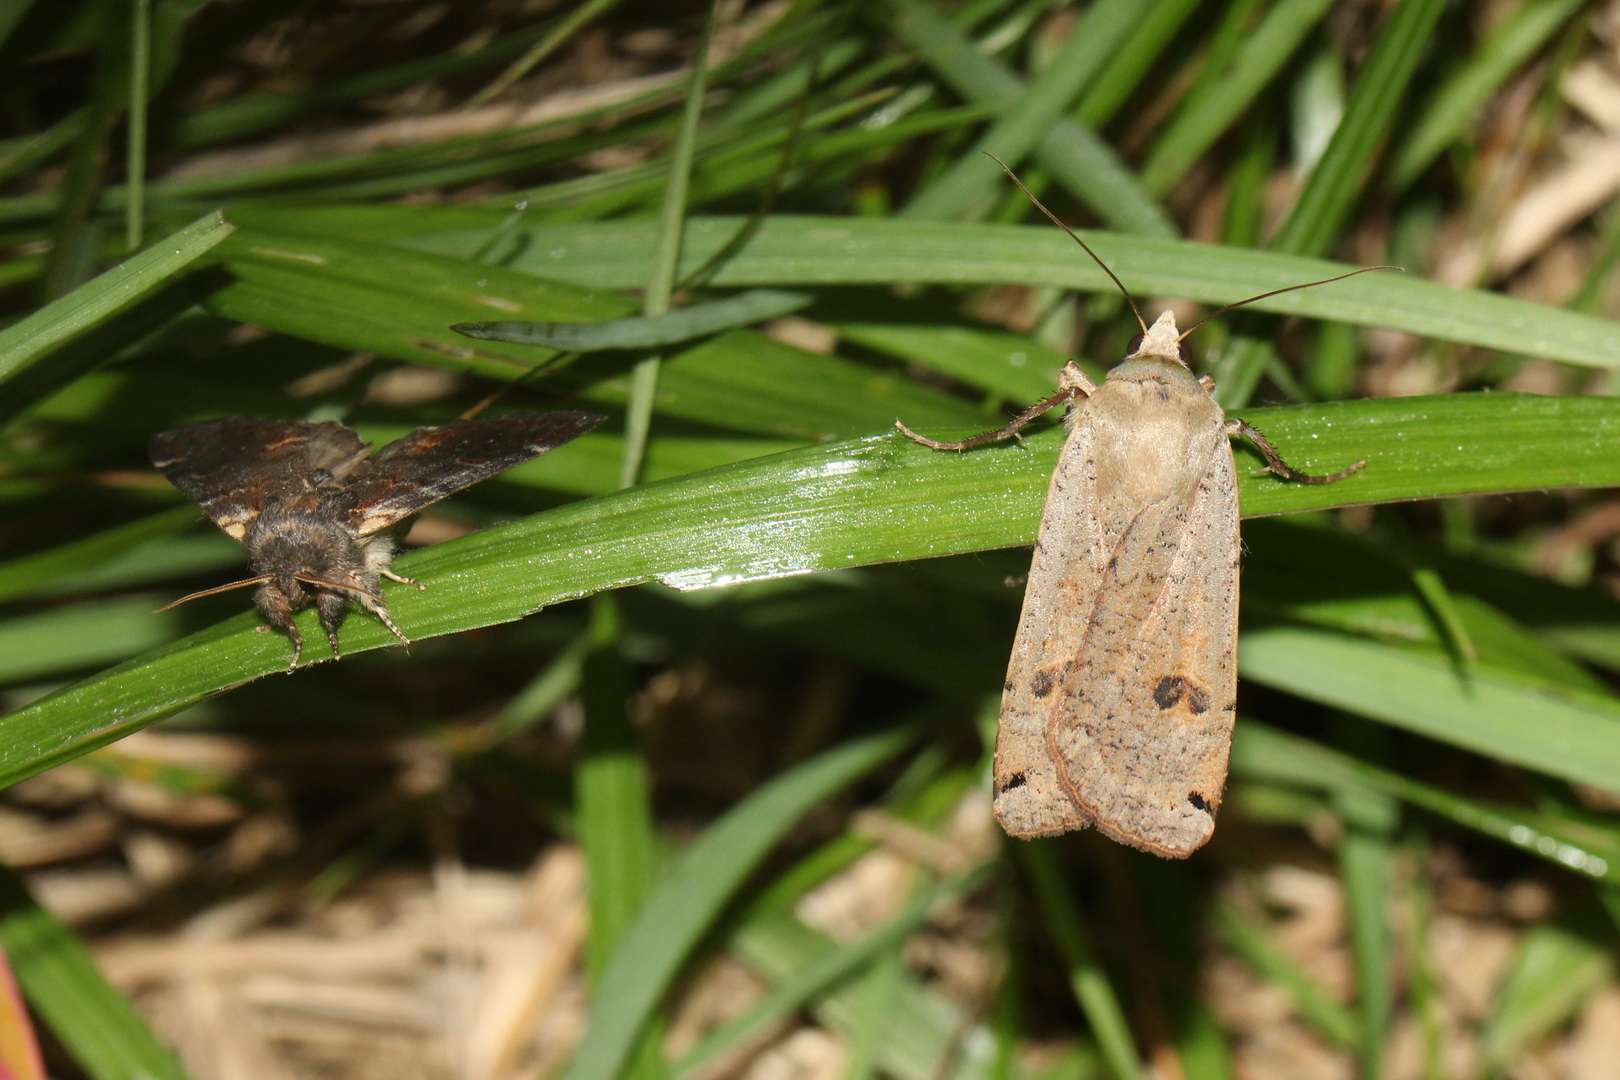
<point>234,467</point>
<point>433,462</point>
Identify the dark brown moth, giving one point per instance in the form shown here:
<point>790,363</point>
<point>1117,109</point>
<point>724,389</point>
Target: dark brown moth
<point>311,504</point>
<point>1120,696</point>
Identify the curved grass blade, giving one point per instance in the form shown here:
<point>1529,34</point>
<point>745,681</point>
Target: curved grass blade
<point>1260,751</point>
<point>29,344</point>
<point>1077,158</point>
<point>686,903</point>
<point>1459,100</point>
<point>826,971</point>
<point>1575,736</point>
<point>970,185</point>
<point>871,500</point>
<point>1315,1005</point>
<point>32,574</point>
<point>1204,119</point>
<point>816,251</point>
<point>380,298</point>
<point>94,1022</point>
<point>645,331</point>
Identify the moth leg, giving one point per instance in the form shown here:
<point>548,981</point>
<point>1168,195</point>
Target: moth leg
<point>379,609</point>
<point>333,607</point>
<point>391,576</point>
<point>1073,384</point>
<point>298,647</point>
<point>1274,462</point>
<point>278,612</point>
<point>1074,379</point>
<point>1207,382</point>
<point>386,621</point>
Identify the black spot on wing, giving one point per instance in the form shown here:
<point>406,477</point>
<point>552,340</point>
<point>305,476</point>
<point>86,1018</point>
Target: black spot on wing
<point>1016,780</point>
<point>1041,685</point>
<point>1174,688</point>
<point>1169,691</point>
<point>1198,801</point>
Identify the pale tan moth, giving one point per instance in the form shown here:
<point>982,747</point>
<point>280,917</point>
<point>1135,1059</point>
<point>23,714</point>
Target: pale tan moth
<point>1120,696</point>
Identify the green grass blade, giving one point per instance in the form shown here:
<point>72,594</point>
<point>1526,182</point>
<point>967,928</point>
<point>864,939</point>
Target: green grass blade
<point>1086,166</point>
<point>1265,753</point>
<point>1090,983</point>
<point>1205,118</point>
<point>1338,178</point>
<point>1467,91</point>
<point>68,638</point>
<point>802,986</point>
<point>972,183</point>
<point>379,298</point>
<point>1554,971</point>
<point>800,251</point>
<point>1314,1004</point>
<point>705,877</point>
<point>28,344</point>
<point>96,1023</point>
<point>612,782</point>
<point>32,574</point>
<point>877,499</point>
<point>645,331</point>
<point>1133,59</point>
<point>1576,737</point>
<point>1341,174</point>
<point>1367,866</point>
<point>660,284</point>
<point>929,1038</point>
<point>565,28</point>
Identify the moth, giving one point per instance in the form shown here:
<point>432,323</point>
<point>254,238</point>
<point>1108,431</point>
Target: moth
<point>1121,692</point>
<point>312,505</point>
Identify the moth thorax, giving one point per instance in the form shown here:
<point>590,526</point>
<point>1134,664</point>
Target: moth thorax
<point>313,543</point>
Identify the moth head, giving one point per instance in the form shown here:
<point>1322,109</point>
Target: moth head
<point>1162,340</point>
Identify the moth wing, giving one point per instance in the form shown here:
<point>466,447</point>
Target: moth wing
<point>434,462</point>
<point>234,467</point>
<point>1030,799</point>
<point>1151,703</point>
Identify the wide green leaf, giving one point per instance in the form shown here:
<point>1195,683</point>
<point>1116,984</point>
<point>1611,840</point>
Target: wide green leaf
<point>877,499</point>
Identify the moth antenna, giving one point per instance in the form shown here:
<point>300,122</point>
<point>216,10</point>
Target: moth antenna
<point>1275,292</point>
<point>1129,299</point>
<point>244,583</point>
<point>338,586</point>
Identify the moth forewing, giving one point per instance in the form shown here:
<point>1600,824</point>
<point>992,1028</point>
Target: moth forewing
<point>309,505</point>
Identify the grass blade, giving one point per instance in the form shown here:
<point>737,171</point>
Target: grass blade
<point>30,343</point>
<point>705,877</point>
<point>94,1021</point>
<point>880,499</point>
